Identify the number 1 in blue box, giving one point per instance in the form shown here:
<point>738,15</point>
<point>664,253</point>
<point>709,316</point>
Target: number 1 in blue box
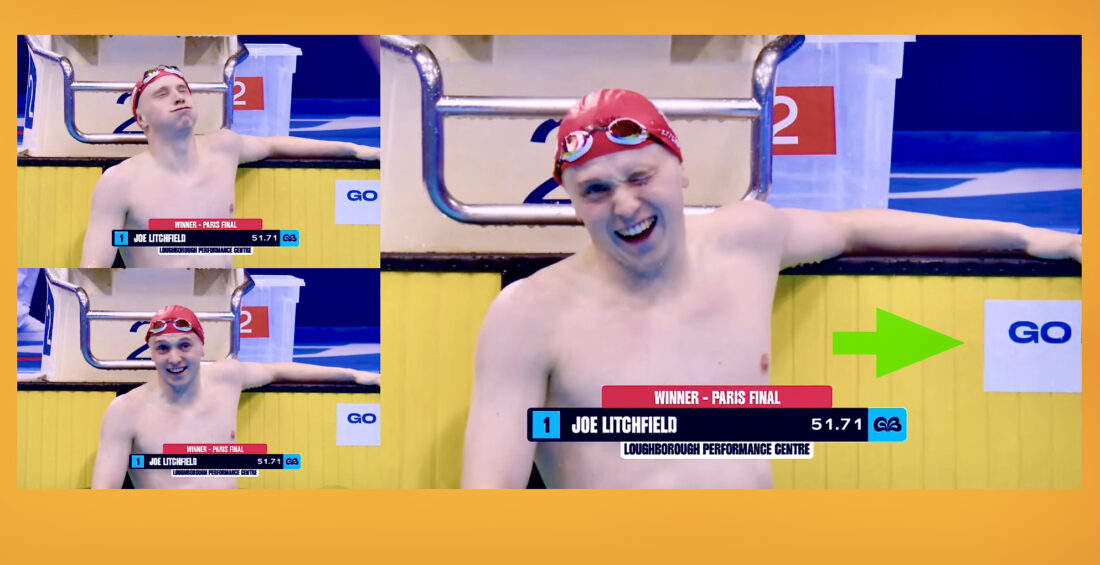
<point>545,424</point>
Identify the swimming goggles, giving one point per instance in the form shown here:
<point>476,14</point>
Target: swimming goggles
<point>153,72</point>
<point>623,131</point>
<point>158,326</point>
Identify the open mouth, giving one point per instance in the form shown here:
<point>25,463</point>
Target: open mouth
<point>177,371</point>
<point>638,232</point>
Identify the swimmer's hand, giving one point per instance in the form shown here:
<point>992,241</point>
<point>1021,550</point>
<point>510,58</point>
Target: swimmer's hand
<point>250,148</point>
<point>366,377</point>
<point>367,153</point>
<point>1050,244</point>
<point>260,374</point>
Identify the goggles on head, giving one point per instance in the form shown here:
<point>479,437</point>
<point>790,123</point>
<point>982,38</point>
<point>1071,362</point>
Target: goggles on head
<point>158,326</point>
<point>622,131</point>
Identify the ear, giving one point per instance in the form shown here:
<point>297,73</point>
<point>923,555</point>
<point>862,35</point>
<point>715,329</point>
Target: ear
<point>140,121</point>
<point>566,186</point>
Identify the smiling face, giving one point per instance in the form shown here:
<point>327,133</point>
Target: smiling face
<point>632,204</point>
<point>166,104</point>
<point>178,358</point>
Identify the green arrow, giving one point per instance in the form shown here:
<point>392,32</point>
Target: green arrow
<point>896,343</point>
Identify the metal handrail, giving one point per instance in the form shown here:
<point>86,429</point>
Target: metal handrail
<point>71,86</point>
<point>87,315</point>
<point>763,92</point>
<point>435,105</point>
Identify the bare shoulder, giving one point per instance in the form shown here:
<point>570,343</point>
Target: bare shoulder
<point>124,409</point>
<point>743,225</point>
<point>540,293</point>
<point>223,140</point>
<point>116,179</point>
<point>744,217</point>
<point>227,372</point>
<point>525,309</point>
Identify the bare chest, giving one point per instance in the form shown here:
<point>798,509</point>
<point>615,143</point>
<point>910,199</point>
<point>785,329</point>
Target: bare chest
<point>718,331</point>
<point>206,192</point>
<point>212,420</point>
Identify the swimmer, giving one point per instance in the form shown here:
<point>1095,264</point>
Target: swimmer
<point>658,298</point>
<point>181,175</point>
<point>188,403</point>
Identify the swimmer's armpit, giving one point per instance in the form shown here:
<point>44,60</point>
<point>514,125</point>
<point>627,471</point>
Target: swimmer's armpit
<point>108,212</point>
<point>116,436</point>
<point>813,236</point>
<point>260,374</point>
<point>512,371</point>
<point>282,147</point>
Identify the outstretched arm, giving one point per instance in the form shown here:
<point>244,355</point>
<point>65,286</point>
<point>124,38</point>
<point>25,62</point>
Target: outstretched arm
<point>108,212</point>
<point>815,236</point>
<point>511,375</point>
<point>257,148</point>
<point>260,374</point>
<point>115,438</point>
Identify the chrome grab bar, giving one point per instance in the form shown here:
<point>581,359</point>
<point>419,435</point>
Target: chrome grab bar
<point>435,105</point>
<point>87,315</point>
<point>71,86</point>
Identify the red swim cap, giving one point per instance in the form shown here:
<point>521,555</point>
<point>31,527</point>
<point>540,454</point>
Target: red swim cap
<point>602,107</point>
<point>151,76</point>
<point>169,315</point>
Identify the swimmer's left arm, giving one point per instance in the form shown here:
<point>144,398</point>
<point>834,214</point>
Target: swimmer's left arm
<point>282,147</point>
<point>107,213</point>
<point>260,374</point>
<point>816,236</point>
<point>116,435</point>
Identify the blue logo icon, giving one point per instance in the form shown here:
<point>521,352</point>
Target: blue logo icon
<point>292,461</point>
<point>137,461</point>
<point>887,424</point>
<point>288,238</point>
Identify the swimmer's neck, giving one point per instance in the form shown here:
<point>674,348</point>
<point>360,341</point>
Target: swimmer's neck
<point>178,395</point>
<point>666,278</point>
<point>175,150</point>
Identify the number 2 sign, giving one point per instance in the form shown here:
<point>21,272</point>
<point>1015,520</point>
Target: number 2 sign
<point>805,121</point>
<point>248,93</point>
<point>254,322</point>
